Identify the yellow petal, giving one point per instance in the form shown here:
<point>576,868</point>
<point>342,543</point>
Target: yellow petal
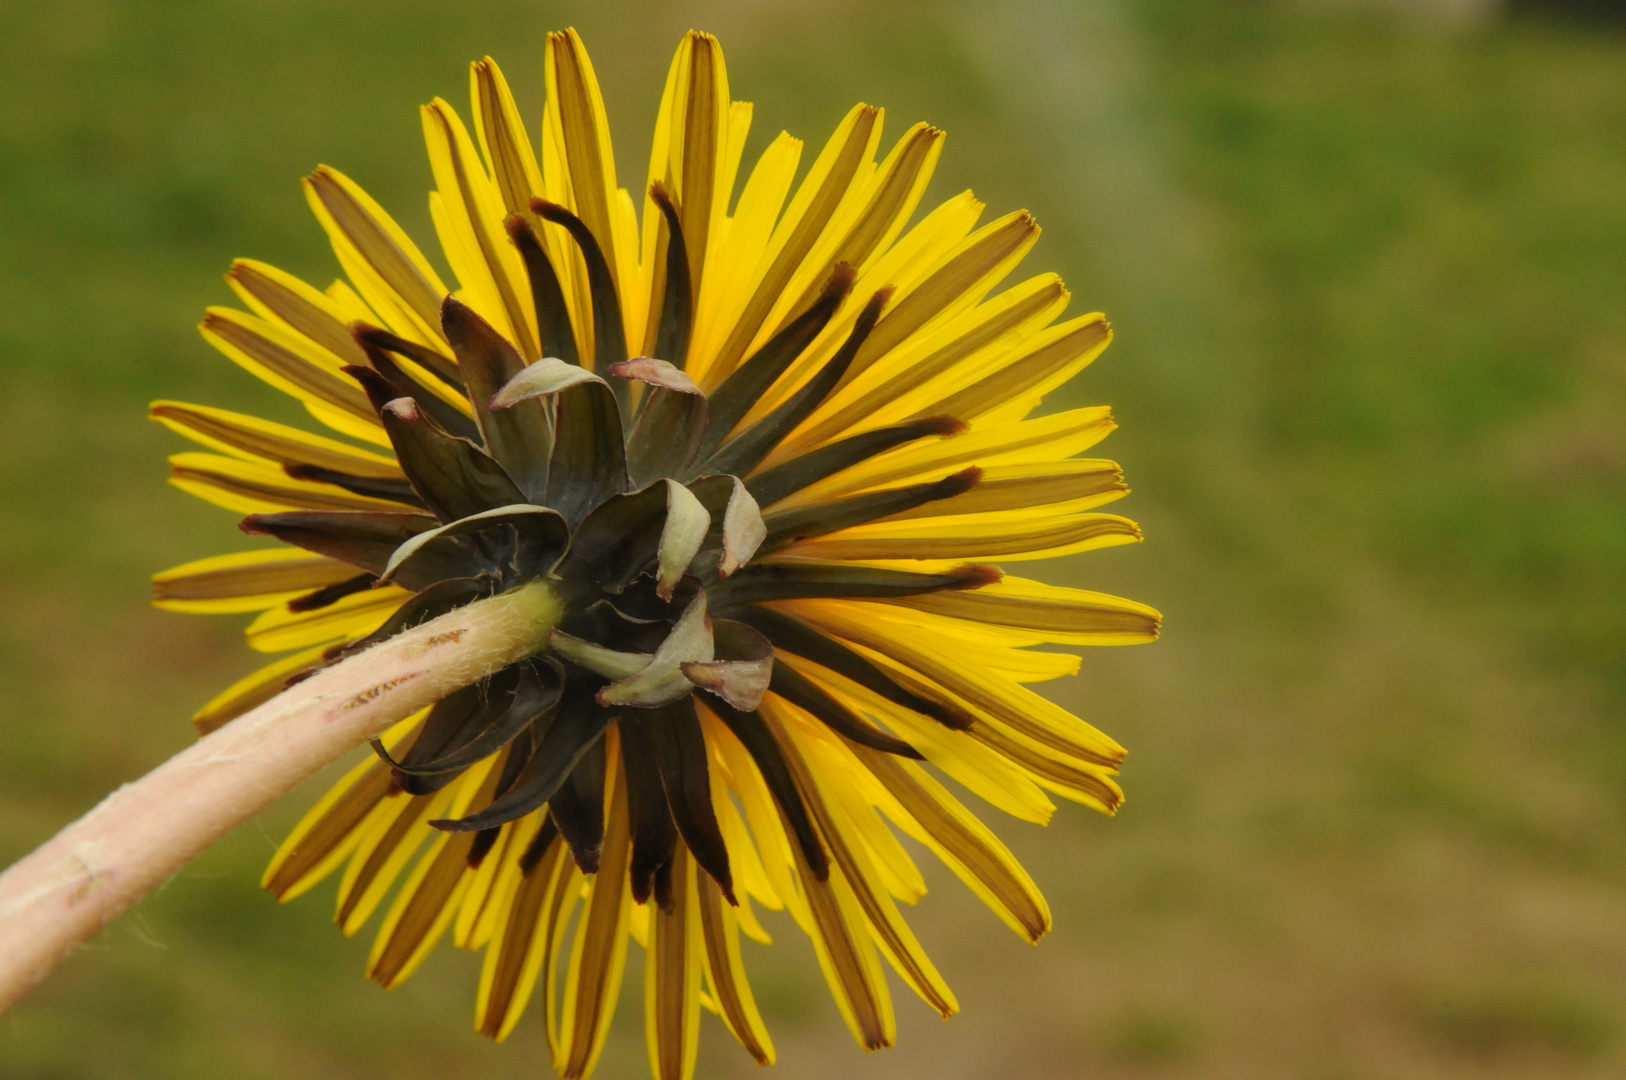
<point>487,265</point>
<point>252,690</point>
<point>902,268</point>
<point>1081,484</point>
<point>1049,361</point>
<point>477,913</point>
<point>731,278</point>
<point>251,487</point>
<point>956,283</point>
<point>840,929</point>
<point>1067,616</point>
<point>278,296</point>
<point>867,222</point>
<point>1043,440</point>
<point>503,139</point>
<point>287,360</point>
<point>904,381</point>
<point>245,580</point>
<point>514,958</point>
<point>352,617</point>
<point>946,658</point>
<point>672,976</point>
<point>966,846</point>
<point>333,828</point>
<point>424,907</point>
<point>761,814</point>
<point>575,110</point>
<point>999,535</point>
<point>726,972</point>
<point>829,182</point>
<point>388,842</point>
<point>253,439</point>
<point>381,260</point>
<point>984,772</point>
<point>598,956</point>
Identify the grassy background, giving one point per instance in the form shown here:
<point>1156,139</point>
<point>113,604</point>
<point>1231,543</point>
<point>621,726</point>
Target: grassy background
<point>1368,278</point>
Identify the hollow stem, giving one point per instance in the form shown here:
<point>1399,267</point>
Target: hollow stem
<point>57,897</point>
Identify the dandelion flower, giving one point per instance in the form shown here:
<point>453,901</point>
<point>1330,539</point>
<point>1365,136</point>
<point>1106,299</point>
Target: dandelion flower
<point>755,448</point>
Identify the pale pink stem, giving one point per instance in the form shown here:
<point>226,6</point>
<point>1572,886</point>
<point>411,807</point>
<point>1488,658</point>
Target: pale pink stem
<point>140,835</point>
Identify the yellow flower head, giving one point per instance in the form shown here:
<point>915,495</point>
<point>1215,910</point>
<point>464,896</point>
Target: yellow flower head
<point>750,453</point>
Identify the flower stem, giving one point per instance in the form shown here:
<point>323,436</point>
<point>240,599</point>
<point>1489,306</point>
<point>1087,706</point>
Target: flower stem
<point>55,898</point>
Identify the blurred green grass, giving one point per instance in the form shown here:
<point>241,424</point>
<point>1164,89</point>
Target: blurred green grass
<point>1367,275</point>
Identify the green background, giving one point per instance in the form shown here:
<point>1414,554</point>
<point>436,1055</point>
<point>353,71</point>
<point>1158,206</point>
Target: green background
<point>1368,275</point>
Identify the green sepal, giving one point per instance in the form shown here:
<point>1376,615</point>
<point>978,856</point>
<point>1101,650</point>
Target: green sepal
<point>797,689</point>
<point>806,580</point>
<point>744,451</point>
<point>804,470</point>
<point>541,538</point>
<point>381,389</point>
<point>453,477</point>
<point>736,520</point>
<point>369,487</point>
<point>679,750</point>
<point>361,538</point>
<point>792,635</point>
<point>521,437</point>
<point>617,541</point>
<point>552,313</point>
<point>432,361</point>
<point>609,337</point>
<point>577,724</point>
<point>577,807</point>
<point>589,457</point>
<point>788,526</point>
<point>661,681</point>
<point>677,293</point>
<point>745,386</point>
<point>665,436</point>
<point>503,706</point>
<point>769,757</point>
<point>654,834</point>
<point>743,667</point>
